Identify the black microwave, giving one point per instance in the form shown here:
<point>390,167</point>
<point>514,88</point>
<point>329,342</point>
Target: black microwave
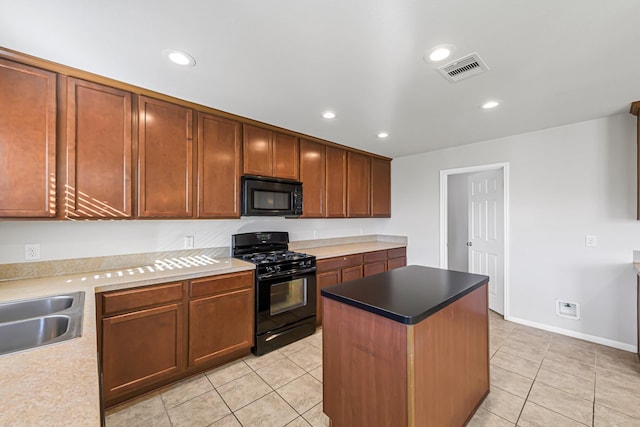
<point>262,196</point>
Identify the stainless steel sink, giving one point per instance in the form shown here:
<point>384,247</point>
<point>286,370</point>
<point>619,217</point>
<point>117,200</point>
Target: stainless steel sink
<point>20,310</point>
<point>33,323</point>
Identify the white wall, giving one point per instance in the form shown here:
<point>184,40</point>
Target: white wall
<point>79,239</point>
<point>565,182</point>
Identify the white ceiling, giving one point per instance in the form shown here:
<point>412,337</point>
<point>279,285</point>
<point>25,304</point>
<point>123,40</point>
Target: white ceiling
<point>284,62</point>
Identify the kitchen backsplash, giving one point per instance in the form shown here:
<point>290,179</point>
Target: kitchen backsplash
<point>61,240</point>
<point>26,270</point>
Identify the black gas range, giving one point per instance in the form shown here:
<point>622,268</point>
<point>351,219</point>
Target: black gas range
<point>285,297</point>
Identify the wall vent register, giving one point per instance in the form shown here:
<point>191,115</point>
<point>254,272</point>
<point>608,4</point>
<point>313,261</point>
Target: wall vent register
<point>463,68</point>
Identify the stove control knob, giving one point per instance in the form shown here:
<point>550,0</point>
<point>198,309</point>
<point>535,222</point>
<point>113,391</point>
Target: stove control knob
<point>277,268</point>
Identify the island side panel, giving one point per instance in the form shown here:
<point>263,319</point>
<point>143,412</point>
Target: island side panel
<point>452,361</point>
<point>364,367</point>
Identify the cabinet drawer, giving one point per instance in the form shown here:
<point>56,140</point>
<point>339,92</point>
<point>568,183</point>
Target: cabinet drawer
<point>216,284</point>
<point>396,263</point>
<point>135,299</point>
<point>339,262</point>
<point>370,257</point>
<point>397,253</point>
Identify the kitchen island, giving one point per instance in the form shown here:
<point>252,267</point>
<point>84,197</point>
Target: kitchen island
<point>408,347</point>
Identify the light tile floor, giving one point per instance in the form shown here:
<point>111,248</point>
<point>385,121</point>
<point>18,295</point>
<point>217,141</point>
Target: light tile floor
<point>537,379</point>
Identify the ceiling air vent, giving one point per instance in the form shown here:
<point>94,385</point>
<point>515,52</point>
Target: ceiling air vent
<point>463,68</point>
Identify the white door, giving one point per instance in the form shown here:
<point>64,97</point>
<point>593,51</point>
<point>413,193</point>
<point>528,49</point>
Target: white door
<point>486,240</point>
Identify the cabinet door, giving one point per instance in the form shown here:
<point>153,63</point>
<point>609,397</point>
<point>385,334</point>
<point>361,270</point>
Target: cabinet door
<point>285,156</point>
<point>257,156</point>
<point>380,188</point>
<point>220,325</point>
<point>98,151</point>
<point>375,268</point>
<point>351,273</point>
<point>165,159</point>
<point>218,167</point>
<point>358,177</point>
<point>323,280</point>
<point>336,183</point>
<point>27,141</point>
<point>141,348</point>
<point>312,175</point>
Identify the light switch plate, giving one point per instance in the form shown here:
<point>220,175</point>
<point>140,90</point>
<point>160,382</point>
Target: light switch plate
<point>590,241</point>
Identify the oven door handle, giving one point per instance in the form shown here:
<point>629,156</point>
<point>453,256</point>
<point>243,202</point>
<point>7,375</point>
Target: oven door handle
<point>291,273</point>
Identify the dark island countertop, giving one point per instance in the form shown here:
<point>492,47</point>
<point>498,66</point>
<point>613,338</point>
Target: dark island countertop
<point>407,295</point>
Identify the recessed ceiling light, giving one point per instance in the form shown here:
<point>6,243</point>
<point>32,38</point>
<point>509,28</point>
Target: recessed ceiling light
<point>179,57</point>
<point>439,53</point>
<point>490,105</point>
<point>383,135</point>
<point>329,115</point>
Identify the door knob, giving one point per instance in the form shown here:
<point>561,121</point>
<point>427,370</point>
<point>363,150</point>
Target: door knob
<point>469,243</point>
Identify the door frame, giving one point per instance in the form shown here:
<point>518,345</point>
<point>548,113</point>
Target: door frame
<point>444,226</point>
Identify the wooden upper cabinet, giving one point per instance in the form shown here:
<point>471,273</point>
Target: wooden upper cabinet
<point>257,151</point>
<point>27,141</point>
<point>98,151</point>
<point>267,153</point>
<point>218,167</point>
<point>336,183</point>
<point>380,188</point>
<point>358,185</point>
<point>285,156</point>
<point>165,159</point>
<point>312,175</point>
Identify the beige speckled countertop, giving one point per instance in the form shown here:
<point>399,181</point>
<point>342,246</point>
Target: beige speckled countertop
<point>57,385</point>
<point>349,249</point>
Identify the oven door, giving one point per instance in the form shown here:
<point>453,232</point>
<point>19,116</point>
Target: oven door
<point>285,299</point>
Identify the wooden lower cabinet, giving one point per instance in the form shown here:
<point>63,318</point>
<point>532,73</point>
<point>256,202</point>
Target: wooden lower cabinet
<point>374,263</point>
<point>374,268</point>
<point>331,271</point>
<point>141,348</point>
<point>396,258</point>
<point>378,372</point>
<point>154,335</point>
<point>221,323</point>
<point>323,280</point>
<point>352,273</point>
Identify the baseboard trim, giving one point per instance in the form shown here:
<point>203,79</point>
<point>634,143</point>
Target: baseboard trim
<point>574,334</point>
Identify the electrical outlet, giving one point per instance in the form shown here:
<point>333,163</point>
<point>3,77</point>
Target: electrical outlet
<point>32,252</point>
<point>188,242</point>
<point>590,241</point>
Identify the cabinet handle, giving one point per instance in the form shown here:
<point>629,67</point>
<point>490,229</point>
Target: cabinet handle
<point>345,258</point>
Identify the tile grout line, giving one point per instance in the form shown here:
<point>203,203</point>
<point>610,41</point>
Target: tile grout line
<point>223,401</point>
<point>532,383</point>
